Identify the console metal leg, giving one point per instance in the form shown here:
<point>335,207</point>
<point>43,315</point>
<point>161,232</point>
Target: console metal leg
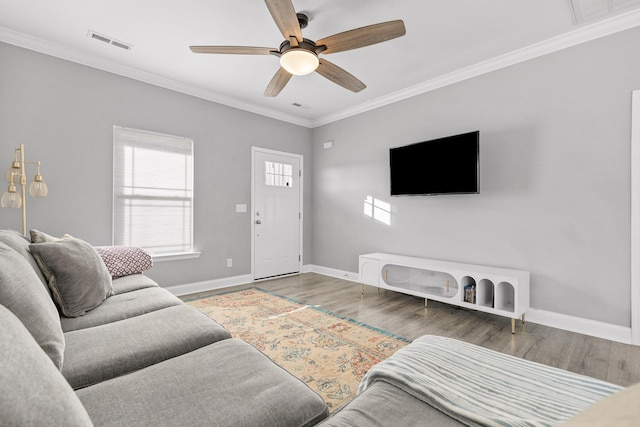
<point>425,303</point>
<point>523,318</point>
<point>513,326</point>
<point>361,288</point>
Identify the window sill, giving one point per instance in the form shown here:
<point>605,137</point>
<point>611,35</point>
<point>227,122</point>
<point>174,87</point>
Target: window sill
<point>175,256</point>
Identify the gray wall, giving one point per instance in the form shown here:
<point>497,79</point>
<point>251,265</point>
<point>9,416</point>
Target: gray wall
<point>555,178</point>
<point>64,113</point>
<point>555,171</point>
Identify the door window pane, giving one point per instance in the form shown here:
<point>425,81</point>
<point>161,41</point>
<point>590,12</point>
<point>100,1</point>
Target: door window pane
<point>278,174</point>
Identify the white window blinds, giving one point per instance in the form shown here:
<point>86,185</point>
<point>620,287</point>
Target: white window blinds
<point>152,191</point>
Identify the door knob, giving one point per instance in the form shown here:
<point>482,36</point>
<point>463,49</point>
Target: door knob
<point>258,221</point>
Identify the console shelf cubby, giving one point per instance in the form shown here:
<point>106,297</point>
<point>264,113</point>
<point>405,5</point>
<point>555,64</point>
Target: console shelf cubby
<point>500,291</point>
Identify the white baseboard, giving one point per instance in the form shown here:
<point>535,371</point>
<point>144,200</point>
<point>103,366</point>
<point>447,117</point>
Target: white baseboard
<point>332,272</point>
<point>227,282</point>
<point>578,325</point>
<point>209,285</point>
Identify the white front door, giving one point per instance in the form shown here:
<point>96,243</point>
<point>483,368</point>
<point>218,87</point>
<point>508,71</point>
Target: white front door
<point>276,213</point>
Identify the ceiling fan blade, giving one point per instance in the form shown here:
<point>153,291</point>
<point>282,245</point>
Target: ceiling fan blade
<point>339,76</point>
<point>285,17</point>
<point>363,36</point>
<point>238,50</point>
<point>277,83</point>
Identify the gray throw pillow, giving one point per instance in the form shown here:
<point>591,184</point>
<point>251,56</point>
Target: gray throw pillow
<point>33,392</point>
<point>22,293</point>
<point>78,279</point>
<point>40,237</point>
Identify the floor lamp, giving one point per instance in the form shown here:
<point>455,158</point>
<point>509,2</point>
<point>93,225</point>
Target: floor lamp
<point>14,199</point>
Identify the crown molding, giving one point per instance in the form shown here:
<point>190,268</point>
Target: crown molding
<point>59,51</point>
<point>578,36</point>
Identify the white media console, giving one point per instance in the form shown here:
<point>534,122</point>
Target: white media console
<point>493,290</point>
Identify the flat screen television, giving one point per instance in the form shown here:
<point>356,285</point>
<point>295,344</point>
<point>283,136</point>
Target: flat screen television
<point>449,165</point>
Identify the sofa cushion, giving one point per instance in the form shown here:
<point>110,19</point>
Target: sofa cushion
<point>383,405</point>
<point>124,260</point>
<point>33,391</point>
<point>228,383</point>
<point>132,282</point>
<point>20,244</point>
<point>621,409</point>
<point>123,306</point>
<point>22,293</point>
<point>78,279</point>
<point>108,351</point>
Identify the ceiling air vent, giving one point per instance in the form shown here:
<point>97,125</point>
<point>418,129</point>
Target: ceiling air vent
<point>120,44</point>
<point>109,40</point>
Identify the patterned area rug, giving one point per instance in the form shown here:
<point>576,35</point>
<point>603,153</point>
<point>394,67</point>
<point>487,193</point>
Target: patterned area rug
<point>329,353</point>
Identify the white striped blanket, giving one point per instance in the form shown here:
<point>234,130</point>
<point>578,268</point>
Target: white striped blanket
<point>481,387</point>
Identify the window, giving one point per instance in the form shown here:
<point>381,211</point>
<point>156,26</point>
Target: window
<point>278,174</point>
<point>152,191</point>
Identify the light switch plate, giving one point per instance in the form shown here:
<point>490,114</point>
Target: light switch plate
<point>241,208</point>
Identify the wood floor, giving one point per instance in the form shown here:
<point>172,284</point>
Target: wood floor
<point>407,316</point>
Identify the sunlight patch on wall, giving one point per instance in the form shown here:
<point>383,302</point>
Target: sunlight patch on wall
<point>377,209</point>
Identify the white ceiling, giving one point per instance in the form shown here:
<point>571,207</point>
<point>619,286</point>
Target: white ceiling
<point>446,41</point>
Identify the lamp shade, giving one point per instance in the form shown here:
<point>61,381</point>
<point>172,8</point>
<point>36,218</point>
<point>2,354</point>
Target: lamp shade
<point>11,198</point>
<point>299,62</point>
<point>38,188</point>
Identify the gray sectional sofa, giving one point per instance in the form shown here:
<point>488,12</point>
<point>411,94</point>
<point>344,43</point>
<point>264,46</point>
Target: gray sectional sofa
<point>140,357</point>
<point>129,353</point>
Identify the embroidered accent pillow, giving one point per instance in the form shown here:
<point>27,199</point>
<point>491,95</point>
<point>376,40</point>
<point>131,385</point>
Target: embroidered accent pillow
<point>124,260</point>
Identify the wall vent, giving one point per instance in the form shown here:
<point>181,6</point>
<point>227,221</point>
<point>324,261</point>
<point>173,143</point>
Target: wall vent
<point>109,40</point>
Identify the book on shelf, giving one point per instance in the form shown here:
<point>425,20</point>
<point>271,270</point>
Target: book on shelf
<point>470,294</point>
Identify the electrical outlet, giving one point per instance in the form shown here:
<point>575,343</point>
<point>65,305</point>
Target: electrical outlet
<point>229,262</point>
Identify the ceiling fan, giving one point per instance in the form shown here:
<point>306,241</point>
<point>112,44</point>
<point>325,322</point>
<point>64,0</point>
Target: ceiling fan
<point>299,56</point>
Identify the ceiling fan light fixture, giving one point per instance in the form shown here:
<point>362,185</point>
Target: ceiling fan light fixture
<point>299,62</point>
<point>299,55</point>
